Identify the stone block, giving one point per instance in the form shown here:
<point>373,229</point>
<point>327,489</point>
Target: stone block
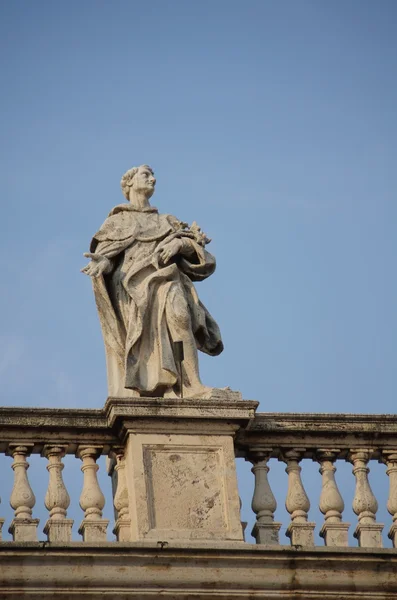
<point>24,530</point>
<point>335,534</point>
<point>301,534</point>
<point>393,534</point>
<point>94,530</point>
<point>122,530</point>
<point>182,487</point>
<point>59,530</point>
<point>369,535</point>
<point>266,533</point>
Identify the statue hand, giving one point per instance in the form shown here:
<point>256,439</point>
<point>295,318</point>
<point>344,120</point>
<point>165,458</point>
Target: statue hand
<point>170,250</point>
<point>99,265</point>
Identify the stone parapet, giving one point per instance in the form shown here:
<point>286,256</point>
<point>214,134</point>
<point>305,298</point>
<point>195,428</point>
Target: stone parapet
<point>194,571</point>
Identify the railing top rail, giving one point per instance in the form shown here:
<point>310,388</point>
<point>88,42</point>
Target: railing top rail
<point>71,428</point>
<point>309,431</point>
<point>312,432</point>
<point>353,421</point>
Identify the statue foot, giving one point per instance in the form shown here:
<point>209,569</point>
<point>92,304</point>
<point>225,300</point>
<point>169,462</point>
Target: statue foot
<point>170,393</point>
<point>198,391</point>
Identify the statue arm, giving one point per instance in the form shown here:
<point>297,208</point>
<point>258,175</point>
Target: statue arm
<point>99,265</point>
<point>101,255</point>
<point>187,248</point>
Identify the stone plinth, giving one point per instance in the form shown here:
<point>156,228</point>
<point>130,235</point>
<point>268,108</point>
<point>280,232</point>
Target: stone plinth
<point>335,534</point>
<point>180,466</point>
<point>59,530</point>
<point>24,530</point>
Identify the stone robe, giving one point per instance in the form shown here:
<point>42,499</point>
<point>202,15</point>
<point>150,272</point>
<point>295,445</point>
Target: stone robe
<point>131,299</point>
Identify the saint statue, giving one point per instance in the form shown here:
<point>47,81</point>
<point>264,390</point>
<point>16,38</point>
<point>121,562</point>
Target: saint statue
<point>143,265</point>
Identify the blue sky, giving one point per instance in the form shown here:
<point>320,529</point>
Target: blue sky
<point>271,123</point>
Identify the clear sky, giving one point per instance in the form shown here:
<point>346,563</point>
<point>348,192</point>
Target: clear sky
<point>271,123</point>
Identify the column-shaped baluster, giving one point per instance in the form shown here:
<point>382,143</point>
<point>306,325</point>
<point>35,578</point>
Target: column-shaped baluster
<point>300,531</point>
<point>334,531</point>
<point>390,458</point>
<point>122,529</point>
<point>23,527</point>
<point>264,504</point>
<point>368,532</point>
<point>93,527</point>
<point>58,528</point>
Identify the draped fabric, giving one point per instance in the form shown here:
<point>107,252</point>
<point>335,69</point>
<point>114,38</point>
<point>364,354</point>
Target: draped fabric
<point>131,299</point>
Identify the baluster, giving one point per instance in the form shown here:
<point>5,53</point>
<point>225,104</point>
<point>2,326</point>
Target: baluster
<point>122,528</point>
<point>23,527</point>
<point>58,528</point>
<point>334,531</point>
<point>93,527</point>
<point>365,505</point>
<point>391,462</point>
<point>264,504</point>
<point>300,531</point>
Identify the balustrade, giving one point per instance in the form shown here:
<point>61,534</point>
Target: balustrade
<point>328,440</point>
<point>325,439</point>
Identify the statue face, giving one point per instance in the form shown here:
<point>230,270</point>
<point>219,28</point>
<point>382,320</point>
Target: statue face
<point>144,181</point>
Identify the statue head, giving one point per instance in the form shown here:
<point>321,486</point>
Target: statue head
<point>140,179</point>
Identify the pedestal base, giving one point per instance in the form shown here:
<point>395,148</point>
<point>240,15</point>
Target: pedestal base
<point>122,530</point>
<point>393,534</point>
<point>301,534</point>
<point>369,535</point>
<point>180,465</point>
<point>24,530</point>
<point>266,533</point>
<point>94,531</point>
<point>335,534</point>
<point>59,530</point>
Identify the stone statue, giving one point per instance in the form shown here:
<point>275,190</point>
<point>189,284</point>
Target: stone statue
<point>143,265</point>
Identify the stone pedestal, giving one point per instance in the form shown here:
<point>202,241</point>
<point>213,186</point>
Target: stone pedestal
<point>94,530</point>
<point>180,466</point>
<point>266,533</point>
<point>59,530</point>
<point>369,535</point>
<point>122,530</point>
<point>24,530</point>
<point>393,534</point>
<point>301,534</point>
<point>335,534</point>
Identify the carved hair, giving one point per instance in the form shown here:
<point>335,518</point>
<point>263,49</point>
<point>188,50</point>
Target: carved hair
<point>126,180</point>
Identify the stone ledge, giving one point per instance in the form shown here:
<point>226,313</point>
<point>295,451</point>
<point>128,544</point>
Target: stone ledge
<point>194,570</point>
<point>142,413</point>
<point>312,431</point>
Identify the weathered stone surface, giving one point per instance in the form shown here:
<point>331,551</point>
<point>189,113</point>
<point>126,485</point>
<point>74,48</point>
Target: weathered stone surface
<point>313,431</point>
<point>182,487</point>
<point>194,571</point>
<point>59,530</point>
<point>143,265</point>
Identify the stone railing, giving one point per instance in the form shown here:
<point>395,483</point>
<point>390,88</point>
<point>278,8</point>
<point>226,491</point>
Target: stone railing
<point>53,433</point>
<point>173,472</point>
<point>326,439</point>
